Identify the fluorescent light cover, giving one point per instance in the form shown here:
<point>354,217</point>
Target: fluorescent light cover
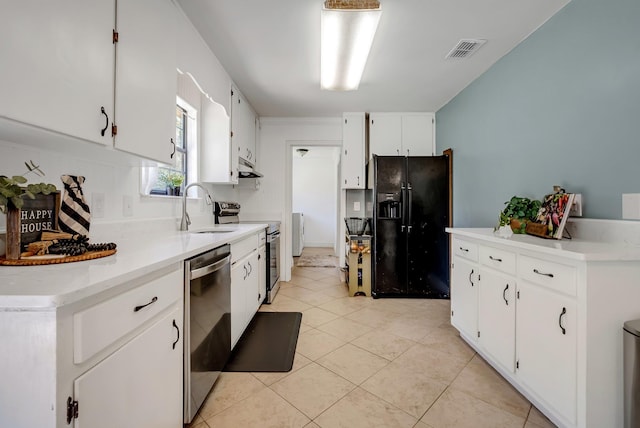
<point>347,35</point>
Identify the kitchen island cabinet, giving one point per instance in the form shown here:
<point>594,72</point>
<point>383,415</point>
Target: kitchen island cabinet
<point>550,314</point>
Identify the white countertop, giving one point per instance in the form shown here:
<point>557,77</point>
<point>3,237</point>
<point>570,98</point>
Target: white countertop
<point>49,286</point>
<point>576,248</point>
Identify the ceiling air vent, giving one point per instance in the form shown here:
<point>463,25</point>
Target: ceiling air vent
<point>465,48</point>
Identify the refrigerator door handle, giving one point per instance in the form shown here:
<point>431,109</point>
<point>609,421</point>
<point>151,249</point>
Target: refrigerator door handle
<point>409,207</point>
<point>403,198</point>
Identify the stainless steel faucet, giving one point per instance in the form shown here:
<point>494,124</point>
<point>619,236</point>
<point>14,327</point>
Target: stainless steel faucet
<point>186,221</point>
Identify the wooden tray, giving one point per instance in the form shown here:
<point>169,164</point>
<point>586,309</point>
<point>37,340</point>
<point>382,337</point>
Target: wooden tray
<point>38,260</point>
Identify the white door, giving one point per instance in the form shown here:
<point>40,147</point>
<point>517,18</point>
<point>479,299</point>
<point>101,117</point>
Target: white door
<point>138,386</point>
<point>496,317</point>
<point>146,79</point>
<point>464,297</point>
<point>57,66</point>
<point>546,349</point>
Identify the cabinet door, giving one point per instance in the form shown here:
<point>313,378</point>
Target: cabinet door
<point>253,285</point>
<point>546,349</point>
<point>385,134</point>
<point>353,157</point>
<point>239,274</point>
<point>417,134</point>
<point>146,78</point>
<point>57,66</point>
<point>216,156</point>
<point>243,126</point>
<point>140,385</point>
<point>262,275</point>
<point>497,316</point>
<point>464,297</point>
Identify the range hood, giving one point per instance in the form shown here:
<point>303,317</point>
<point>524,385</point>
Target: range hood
<point>246,171</point>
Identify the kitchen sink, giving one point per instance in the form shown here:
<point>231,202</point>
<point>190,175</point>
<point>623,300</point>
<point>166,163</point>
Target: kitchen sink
<point>214,230</point>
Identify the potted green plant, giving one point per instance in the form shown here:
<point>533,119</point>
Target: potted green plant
<point>172,180</point>
<point>12,193</point>
<point>518,212</point>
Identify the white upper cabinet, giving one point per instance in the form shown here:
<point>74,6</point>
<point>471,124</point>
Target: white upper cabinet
<point>353,151</point>
<point>243,127</point>
<point>218,162</point>
<point>401,134</point>
<point>57,66</point>
<point>58,71</point>
<point>146,79</point>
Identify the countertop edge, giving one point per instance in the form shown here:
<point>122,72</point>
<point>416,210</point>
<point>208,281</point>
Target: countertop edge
<point>16,302</point>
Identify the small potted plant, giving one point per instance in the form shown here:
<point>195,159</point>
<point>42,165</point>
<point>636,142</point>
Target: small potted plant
<point>518,212</point>
<point>172,180</point>
<point>12,194</point>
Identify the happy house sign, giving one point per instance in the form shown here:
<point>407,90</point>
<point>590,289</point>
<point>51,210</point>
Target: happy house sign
<point>37,215</point>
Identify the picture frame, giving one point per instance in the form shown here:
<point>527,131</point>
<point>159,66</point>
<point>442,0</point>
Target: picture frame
<point>552,216</point>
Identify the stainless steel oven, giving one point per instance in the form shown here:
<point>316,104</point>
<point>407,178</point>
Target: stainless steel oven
<point>228,213</point>
<point>273,260</point>
<point>207,324</point>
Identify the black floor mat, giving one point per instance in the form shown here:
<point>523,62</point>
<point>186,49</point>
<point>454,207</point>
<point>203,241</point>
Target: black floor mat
<point>268,344</point>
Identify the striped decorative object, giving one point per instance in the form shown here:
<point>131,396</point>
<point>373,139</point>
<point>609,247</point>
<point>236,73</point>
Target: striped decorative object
<point>75,216</point>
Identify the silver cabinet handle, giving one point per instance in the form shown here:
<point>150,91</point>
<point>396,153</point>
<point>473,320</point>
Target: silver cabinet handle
<point>495,259</point>
<point>466,250</point>
<point>470,280</point>
<point>504,292</point>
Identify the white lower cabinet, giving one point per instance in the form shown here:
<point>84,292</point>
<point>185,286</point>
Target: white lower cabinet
<point>139,385</point>
<point>245,285</point>
<point>244,292</point>
<point>464,297</point>
<point>546,347</point>
<point>548,317</point>
<point>496,316</point>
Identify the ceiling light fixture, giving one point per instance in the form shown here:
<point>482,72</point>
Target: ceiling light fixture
<point>348,28</point>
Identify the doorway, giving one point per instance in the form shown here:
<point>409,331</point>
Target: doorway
<point>314,191</point>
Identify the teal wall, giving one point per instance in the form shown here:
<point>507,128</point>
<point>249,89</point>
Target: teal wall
<point>562,108</point>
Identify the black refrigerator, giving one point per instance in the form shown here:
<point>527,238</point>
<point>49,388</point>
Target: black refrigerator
<point>411,211</point>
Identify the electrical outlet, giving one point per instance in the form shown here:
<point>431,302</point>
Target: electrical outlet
<point>97,205</point>
<point>127,205</point>
<point>576,207</point>
<point>356,206</point>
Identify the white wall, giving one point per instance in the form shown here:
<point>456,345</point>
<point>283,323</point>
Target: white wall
<point>315,193</point>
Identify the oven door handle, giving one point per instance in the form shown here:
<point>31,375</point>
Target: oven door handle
<point>198,273</point>
<point>273,236</point>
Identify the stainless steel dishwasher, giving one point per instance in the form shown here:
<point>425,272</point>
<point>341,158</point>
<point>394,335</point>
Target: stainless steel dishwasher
<point>207,324</point>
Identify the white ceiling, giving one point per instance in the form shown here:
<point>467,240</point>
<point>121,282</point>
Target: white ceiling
<point>271,49</point>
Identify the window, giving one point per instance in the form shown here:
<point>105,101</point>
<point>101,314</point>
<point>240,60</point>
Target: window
<point>171,180</point>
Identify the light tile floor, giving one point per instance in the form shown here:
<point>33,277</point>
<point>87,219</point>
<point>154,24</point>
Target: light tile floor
<point>363,362</point>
